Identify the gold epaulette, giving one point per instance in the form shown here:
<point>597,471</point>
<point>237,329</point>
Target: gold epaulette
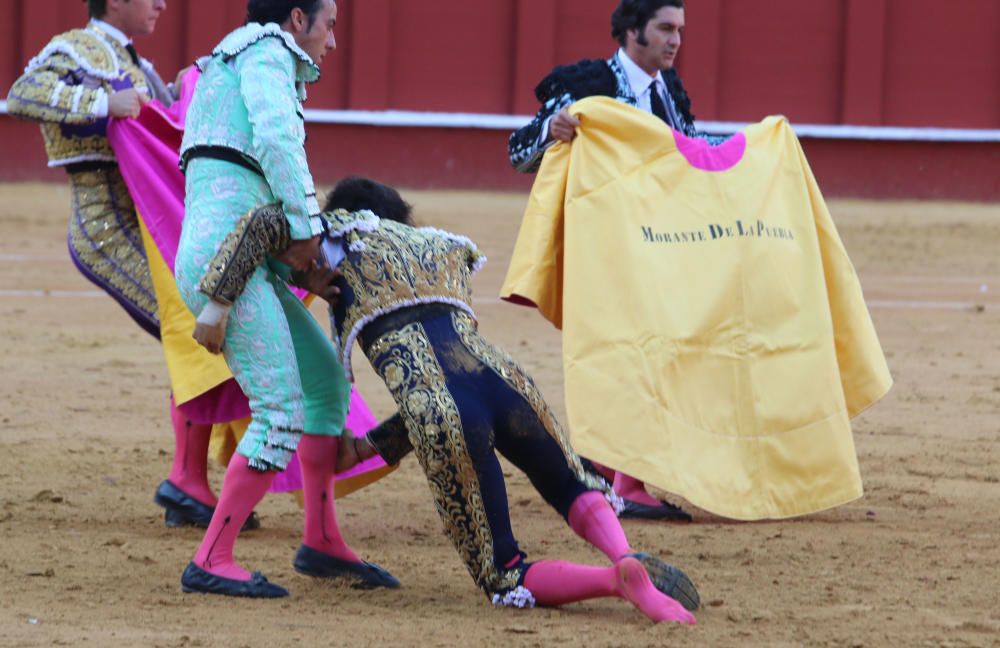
<point>88,50</point>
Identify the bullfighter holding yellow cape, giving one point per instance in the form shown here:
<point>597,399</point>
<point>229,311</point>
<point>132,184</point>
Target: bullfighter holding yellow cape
<point>716,340</point>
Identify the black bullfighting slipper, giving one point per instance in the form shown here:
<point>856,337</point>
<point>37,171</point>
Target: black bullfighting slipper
<point>362,575</point>
<point>182,510</point>
<point>196,579</point>
<point>665,511</point>
<point>670,580</point>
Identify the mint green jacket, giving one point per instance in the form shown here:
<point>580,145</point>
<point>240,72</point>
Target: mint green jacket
<point>249,99</point>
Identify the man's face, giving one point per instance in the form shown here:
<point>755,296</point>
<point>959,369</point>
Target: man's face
<point>135,17</point>
<point>317,40</point>
<point>656,47</point>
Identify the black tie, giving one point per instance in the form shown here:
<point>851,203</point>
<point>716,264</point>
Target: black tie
<point>656,103</point>
<point>131,52</point>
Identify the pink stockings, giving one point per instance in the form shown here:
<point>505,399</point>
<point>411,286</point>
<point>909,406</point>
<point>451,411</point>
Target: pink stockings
<point>189,471</point>
<point>626,487</point>
<point>554,582</point>
<point>632,489</point>
<point>317,455</point>
<point>243,487</point>
<point>593,519</point>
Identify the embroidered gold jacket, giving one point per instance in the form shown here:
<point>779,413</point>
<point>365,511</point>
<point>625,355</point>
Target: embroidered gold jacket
<point>67,88</point>
<point>386,266</point>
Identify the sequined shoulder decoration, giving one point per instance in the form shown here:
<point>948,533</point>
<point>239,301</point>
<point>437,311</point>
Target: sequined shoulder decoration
<point>240,39</point>
<point>390,266</point>
<point>88,50</point>
<point>340,222</point>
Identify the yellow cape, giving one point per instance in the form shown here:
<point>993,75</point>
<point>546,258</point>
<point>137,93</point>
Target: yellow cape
<point>193,370</point>
<point>716,340</point>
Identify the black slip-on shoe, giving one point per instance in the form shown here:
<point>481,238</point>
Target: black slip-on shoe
<point>670,580</point>
<point>196,579</point>
<point>362,575</point>
<point>182,510</point>
<point>665,511</point>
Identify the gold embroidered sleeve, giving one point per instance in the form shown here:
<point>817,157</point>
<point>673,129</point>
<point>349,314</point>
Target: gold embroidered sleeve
<point>54,91</point>
<point>262,233</point>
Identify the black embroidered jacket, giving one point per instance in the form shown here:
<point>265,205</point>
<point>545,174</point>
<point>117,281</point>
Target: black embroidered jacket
<point>567,84</point>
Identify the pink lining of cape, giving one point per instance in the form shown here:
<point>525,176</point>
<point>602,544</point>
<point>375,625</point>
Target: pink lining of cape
<point>702,155</point>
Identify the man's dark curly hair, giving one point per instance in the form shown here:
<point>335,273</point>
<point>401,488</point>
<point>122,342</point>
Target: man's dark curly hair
<point>635,14</point>
<point>277,11</point>
<point>97,8</point>
<point>355,193</point>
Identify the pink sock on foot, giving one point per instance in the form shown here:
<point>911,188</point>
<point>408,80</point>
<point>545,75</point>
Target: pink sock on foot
<point>189,471</point>
<point>242,489</point>
<point>317,456</point>
<point>635,586</point>
<point>556,582</point>
<point>631,488</point>
<point>593,519</point>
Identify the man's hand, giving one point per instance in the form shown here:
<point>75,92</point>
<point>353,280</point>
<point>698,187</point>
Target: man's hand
<point>301,255</point>
<point>126,104</point>
<point>319,281</point>
<point>563,126</point>
<point>180,77</point>
<point>351,451</point>
<point>210,327</point>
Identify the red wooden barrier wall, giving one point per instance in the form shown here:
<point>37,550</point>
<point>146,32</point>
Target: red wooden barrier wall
<point>867,62</point>
<point>891,62</point>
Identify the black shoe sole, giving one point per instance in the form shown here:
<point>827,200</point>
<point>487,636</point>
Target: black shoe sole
<point>195,580</point>
<point>360,576</point>
<point>666,512</point>
<point>178,515</point>
<point>671,581</point>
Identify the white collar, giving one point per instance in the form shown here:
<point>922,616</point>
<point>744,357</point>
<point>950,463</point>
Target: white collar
<point>245,36</point>
<point>111,31</point>
<point>638,78</point>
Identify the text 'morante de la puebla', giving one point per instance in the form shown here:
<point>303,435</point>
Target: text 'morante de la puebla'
<point>715,232</point>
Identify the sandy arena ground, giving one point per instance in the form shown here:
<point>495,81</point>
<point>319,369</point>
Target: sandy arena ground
<point>84,440</point>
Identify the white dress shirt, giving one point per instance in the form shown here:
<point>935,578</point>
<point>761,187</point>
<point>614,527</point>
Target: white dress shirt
<point>641,85</point>
<point>101,105</point>
<point>111,31</point>
<point>640,81</point>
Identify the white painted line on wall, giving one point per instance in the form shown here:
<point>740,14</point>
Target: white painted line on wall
<point>417,119</point>
<point>487,121</point>
<point>873,133</point>
<point>484,121</point>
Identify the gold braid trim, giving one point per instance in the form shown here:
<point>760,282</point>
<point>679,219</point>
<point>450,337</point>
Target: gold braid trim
<point>91,54</point>
<point>62,87</point>
<point>407,364</point>
<point>261,233</point>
